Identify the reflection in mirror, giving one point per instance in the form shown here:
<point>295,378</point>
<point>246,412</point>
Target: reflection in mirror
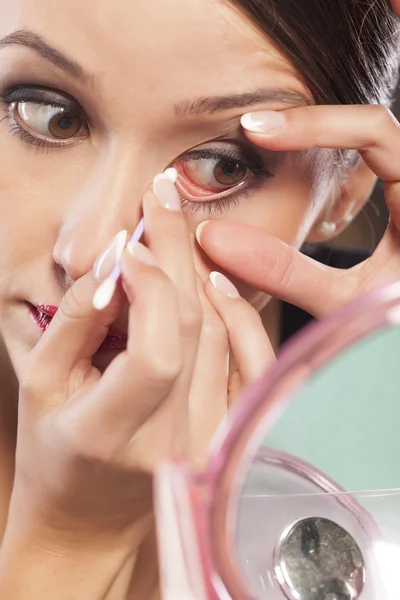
<point>319,512</point>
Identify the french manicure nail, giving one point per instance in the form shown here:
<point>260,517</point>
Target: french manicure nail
<point>104,294</point>
<point>223,285</point>
<point>107,260</point>
<point>172,174</point>
<point>267,121</point>
<point>141,253</point>
<point>166,192</point>
<point>199,231</point>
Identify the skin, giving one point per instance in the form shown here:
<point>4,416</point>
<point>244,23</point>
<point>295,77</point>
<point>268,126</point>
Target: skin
<point>279,269</point>
<point>179,328</point>
<point>107,175</point>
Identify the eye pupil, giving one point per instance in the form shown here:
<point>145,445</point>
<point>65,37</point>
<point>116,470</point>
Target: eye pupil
<point>229,172</point>
<point>230,168</point>
<point>65,125</point>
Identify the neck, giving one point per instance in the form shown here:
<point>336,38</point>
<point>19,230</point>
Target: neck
<point>271,319</point>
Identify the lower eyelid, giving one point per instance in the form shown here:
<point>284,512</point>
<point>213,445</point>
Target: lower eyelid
<point>31,137</point>
<point>208,196</point>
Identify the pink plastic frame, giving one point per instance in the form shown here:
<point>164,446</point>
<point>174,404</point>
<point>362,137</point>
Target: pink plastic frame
<point>204,504</point>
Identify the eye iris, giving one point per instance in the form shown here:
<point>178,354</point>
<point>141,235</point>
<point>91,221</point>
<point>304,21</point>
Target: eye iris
<point>229,172</point>
<point>64,125</point>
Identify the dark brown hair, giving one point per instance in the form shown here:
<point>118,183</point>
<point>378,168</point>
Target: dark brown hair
<point>346,50</point>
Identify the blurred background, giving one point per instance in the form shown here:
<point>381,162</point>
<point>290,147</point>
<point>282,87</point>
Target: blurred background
<point>368,228</point>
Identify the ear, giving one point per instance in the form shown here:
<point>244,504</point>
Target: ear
<point>350,192</point>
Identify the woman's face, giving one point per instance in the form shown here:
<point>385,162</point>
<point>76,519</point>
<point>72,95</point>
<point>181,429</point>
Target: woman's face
<point>98,97</point>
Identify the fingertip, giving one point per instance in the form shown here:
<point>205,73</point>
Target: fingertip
<point>135,257</point>
<point>224,285</point>
<point>104,294</point>
<point>266,122</point>
<point>200,231</point>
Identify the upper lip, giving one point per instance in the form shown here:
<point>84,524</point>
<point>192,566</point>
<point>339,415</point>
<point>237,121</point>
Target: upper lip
<point>50,310</point>
<point>47,309</point>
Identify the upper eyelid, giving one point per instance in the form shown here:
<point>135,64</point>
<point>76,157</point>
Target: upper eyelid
<point>56,98</point>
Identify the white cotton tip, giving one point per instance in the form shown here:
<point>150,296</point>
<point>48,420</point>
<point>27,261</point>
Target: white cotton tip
<point>171,173</point>
<point>103,295</point>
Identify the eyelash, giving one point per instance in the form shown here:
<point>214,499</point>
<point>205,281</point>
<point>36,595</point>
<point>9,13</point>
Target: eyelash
<point>249,159</point>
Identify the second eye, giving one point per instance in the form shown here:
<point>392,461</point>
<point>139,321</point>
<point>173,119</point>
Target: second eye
<point>51,122</point>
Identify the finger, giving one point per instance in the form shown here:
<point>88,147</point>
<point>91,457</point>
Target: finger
<point>371,129</point>
<point>75,333</point>
<point>208,403</point>
<point>268,264</point>
<point>139,379</point>
<point>248,339</point>
<point>167,237</point>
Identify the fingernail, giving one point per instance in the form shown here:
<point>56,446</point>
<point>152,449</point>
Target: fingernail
<point>171,173</point>
<point>267,121</point>
<point>199,231</point>
<point>107,260</point>
<point>141,253</point>
<point>223,285</point>
<point>166,192</point>
<point>104,294</point>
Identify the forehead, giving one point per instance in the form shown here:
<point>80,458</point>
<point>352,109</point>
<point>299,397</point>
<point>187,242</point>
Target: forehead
<point>173,47</point>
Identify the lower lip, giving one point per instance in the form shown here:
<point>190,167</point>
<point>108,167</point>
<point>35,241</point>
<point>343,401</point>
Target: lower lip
<point>41,319</point>
<point>110,343</point>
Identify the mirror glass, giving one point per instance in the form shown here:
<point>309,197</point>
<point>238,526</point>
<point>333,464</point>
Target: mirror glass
<point>318,516</point>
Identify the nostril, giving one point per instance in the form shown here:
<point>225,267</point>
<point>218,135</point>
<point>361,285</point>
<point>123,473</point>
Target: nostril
<point>61,277</point>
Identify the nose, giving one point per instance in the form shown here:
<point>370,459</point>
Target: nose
<point>107,200</point>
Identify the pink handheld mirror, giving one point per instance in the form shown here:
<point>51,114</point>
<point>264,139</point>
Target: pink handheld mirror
<point>300,499</point>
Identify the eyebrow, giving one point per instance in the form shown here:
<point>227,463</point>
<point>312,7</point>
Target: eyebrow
<point>216,104</point>
<point>32,40</point>
<point>187,108</point>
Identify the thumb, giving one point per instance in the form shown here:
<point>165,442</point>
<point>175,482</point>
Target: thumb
<point>75,332</point>
<point>268,264</point>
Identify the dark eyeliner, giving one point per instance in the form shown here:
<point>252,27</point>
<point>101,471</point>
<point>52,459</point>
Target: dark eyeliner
<point>240,153</point>
<point>43,96</point>
<point>249,160</point>
<point>39,95</point>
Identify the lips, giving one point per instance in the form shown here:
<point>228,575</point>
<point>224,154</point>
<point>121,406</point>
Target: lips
<point>42,314</point>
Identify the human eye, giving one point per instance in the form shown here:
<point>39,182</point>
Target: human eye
<point>43,117</point>
<point>215,177</point>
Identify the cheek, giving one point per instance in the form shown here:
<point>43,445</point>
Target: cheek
<point>35,188</point>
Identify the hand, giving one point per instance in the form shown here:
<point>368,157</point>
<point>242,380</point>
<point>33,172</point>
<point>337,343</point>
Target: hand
<point>268,264</point>
<point>88,443</point>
